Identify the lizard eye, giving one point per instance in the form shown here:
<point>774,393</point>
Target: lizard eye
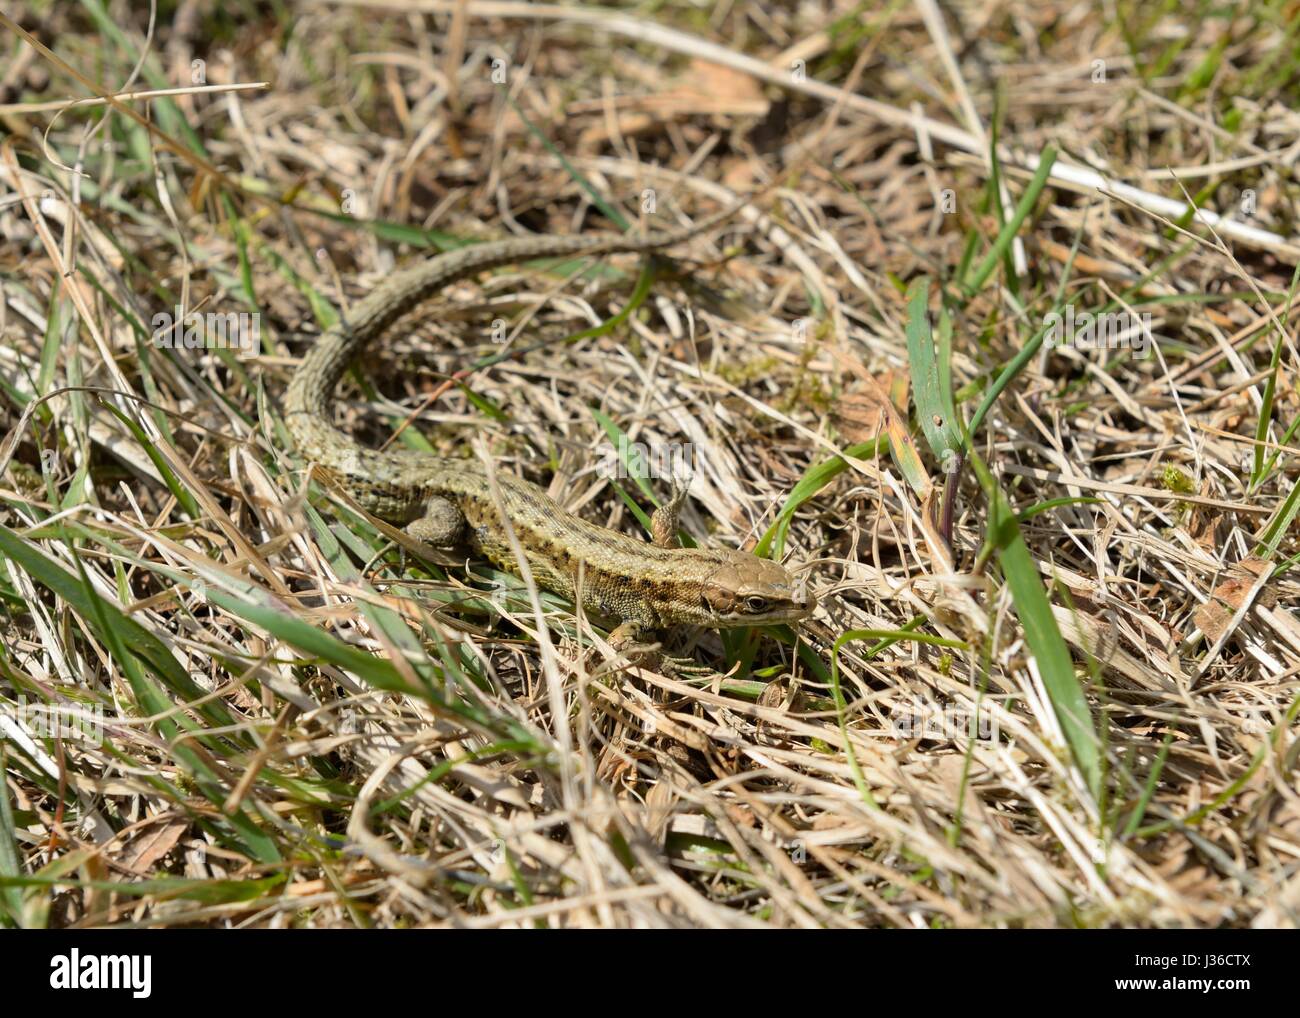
<point>756,604</point>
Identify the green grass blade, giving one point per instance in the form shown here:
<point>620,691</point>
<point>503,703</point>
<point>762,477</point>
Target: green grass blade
<point>980,274</point>
<point>1042,633</point>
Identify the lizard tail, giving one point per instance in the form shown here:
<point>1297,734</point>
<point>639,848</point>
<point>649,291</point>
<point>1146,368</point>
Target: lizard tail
<point>310,390</point>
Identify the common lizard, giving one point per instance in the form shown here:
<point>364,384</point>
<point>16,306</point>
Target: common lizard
<point>444,502</point>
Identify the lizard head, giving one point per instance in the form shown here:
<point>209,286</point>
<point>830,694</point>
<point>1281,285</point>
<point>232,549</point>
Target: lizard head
<point>748,591</point>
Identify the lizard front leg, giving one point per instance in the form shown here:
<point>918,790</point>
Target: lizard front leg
<point>625,636</point>
<point>634,640</point>
<point>630,639</point>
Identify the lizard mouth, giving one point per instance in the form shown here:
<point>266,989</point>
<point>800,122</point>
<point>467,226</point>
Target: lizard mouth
<point>794,611</point>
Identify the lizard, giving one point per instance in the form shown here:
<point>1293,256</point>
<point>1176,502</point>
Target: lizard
<point>443,503</point>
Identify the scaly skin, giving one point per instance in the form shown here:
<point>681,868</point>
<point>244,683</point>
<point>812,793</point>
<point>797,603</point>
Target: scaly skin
<point>442,501</point>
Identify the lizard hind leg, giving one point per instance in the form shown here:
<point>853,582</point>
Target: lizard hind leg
<point>441,526</point>
<point>663,523</point>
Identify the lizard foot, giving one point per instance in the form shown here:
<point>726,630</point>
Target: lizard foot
<point>686,667</point>
<point>627,640</point>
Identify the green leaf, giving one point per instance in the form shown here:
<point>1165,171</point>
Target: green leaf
<point>11,900</point>
<point>1042,633</point>
<point>931,376</point>
<point>977,276</point>
<point>815,478</point>
<point>207,892</point>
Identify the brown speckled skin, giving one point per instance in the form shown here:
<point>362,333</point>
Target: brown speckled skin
<point>647,586</point>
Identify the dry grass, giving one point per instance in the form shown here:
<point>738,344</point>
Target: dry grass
<point>304,725</point>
